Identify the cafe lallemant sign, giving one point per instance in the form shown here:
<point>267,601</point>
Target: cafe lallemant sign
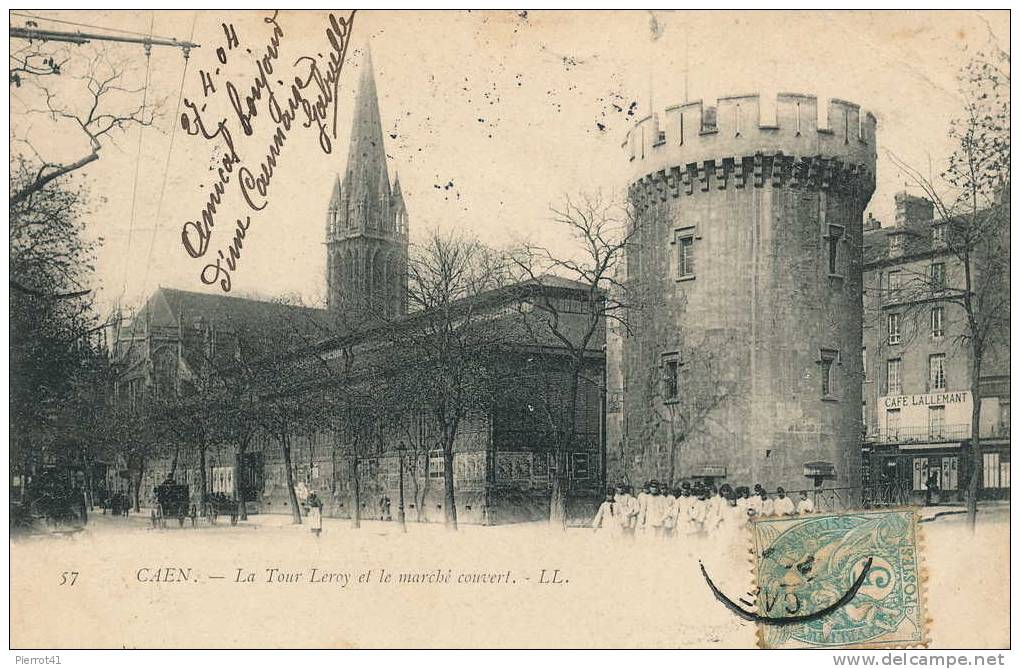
<point>915,411</point>
<point>930,399</point>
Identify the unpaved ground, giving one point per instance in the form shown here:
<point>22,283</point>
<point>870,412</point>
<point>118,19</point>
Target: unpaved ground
<point>607,594</point>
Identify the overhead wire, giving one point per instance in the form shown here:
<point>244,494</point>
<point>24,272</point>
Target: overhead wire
<point>138,161</point>
<point>166,166</point>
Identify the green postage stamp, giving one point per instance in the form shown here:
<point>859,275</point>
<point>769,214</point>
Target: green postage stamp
<point>851,580</point>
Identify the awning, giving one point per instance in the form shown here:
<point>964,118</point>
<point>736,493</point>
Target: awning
<point>926,447</point>
<point>709,471</point>
<point>821,468</point>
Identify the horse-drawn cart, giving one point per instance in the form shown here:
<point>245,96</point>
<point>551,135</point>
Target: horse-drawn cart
<point>171,502</point>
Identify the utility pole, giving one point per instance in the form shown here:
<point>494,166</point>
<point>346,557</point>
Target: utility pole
<point>400,509</point>
<point>41,35</point>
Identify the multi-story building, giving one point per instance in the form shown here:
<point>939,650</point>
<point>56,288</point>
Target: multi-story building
<point>917,401</point>
<point>743,363</point>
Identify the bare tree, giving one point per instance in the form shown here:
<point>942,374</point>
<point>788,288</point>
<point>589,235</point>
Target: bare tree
<point>601,230</point>
<point>683,390</point>
<point>418,435</point>
<point>88,96</point>
<point>973,214</point>
<point>31,59</point>
<point>443,350</point>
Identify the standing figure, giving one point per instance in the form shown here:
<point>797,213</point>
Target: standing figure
<point>931,485</point>
<point>611,516</point>
<point>805,505</point>
<point>314,514</point>
<point>754,503</point>
<point>742,497</point>
<point>642,504</point>
<point>628,509</point>
<point>697,510</point>
<point>783,505</point>
<point>669,513</point>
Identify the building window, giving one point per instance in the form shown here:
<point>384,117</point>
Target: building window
<point>895,245</point>
<point>864,362</point>
<point>864,416</point>
<point>894,384</point>
<point>950,472</point>
<point>991,474</point>
<point>894,328</point>
<point>938,235</point>
<point>936,422</point>
<point>437,465</point>
<point>920,473</point>
<point>937,276</point>
<point>829,360</point>
<point>1003,416</point>
<point>937,371</point>
<point>895,283</point>
<point>892,423</point>
<point>937,316</point>
<point>670,377</point>
<point>579,466</point>
<point>685,256</point>
<point>834,238</point>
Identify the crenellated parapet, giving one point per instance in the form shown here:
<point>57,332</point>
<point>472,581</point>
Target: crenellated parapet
<point>694,147</point>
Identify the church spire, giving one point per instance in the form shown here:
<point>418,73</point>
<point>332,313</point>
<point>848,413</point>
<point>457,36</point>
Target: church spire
<point>366,243</point>
<point>334,200</point>
<point>366,180</point>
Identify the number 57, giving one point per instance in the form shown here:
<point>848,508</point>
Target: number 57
<point>68,578</point>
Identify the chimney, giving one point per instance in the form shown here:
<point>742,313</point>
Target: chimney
<point>872,223</point>
<point>911,209</point>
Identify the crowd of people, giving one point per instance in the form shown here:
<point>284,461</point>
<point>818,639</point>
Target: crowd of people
<point>690,510</point>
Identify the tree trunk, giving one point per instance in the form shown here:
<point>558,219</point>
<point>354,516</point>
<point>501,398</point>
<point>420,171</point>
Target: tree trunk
<point>449,499</point>
<point>202,483</point>
<point>295,506</point>
<point>89,482</point>
<point>242,506</point>
<point>672,452</point>
<point>355,491</point>
<point>426,483</point>
<point>138,483</point>
<point>173,463</point>
<point>558,496</point>
<point>332,469</point>
<point>977,460</point>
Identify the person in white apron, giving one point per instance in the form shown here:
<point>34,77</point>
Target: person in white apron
<point>656,508</point>
<point>669,516</point>
<point>612,516</point>
<point>314,514</point>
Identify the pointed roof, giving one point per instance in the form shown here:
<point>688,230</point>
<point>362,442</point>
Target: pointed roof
<point>397,194</point>
<point>334,200</point>
<point>366,158</point>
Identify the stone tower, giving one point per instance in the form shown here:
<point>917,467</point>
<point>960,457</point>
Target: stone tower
<point>745,365</point>
<point>366,224</point>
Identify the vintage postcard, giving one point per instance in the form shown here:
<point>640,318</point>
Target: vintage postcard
<point>346,328</point>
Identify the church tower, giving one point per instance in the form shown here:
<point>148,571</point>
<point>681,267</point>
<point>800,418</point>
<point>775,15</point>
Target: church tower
<point>366,224</point>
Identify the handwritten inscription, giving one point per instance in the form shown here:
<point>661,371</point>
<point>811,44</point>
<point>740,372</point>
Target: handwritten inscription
<point>261,106</point>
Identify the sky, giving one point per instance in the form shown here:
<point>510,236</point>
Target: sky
<point>489,118</point>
